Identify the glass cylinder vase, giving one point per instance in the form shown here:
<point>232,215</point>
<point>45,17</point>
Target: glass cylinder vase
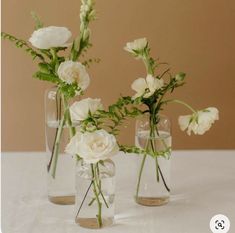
<point>95,192</point>
<point>153,167</point>
<point>60,166</point>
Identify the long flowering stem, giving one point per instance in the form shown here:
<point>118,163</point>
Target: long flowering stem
<point>180,102</point>
<point>153,129</point>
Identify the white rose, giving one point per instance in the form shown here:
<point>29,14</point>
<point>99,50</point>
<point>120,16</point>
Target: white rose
<point>49,37</point>
<point>146,87</point>
<point>136,46</point>
<point>80,110</point>
<point>93,147</point>
<point>71,72</point>
<point>199,122</point>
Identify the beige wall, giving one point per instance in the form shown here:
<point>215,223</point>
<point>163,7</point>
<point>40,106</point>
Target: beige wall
<point>195,36</point>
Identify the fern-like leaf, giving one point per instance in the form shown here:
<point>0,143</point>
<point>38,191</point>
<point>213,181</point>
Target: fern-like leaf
<point>38,23</point>
<point>22,44</point>
<point>46,77</point>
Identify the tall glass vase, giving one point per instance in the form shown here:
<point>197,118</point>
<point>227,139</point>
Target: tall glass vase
<point>95,192</point>
<point>60,166</point>
<point>153,168</point>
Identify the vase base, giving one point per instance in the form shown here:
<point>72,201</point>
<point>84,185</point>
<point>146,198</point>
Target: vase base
<point>152,201</point>
<point>92,223</point>
<point>62,200</point>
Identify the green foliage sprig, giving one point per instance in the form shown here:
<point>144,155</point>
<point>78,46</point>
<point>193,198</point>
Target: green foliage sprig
<point>112,118</point>
<point>137,150</point>
<point>38,22</point>
<point>19,43</point>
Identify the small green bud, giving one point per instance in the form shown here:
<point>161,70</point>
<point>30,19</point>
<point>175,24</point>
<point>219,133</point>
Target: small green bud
<point>180,77</point>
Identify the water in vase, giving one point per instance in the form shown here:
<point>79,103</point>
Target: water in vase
<point>86,206</point>
<point>61,189</point>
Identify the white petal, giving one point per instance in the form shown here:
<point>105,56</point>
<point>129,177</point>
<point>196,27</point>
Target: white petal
<point>154,83</point>
<point>136,45</point>
<point>73,145</point>
<point>139,85</point>
<point>214,112</point>
<point>184,121</point>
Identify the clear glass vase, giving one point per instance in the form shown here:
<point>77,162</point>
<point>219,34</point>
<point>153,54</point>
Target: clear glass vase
<point>60,166</point>
<point>153,168</point>
<point>95,192</point>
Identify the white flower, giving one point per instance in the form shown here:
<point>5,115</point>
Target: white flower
<point>49,37</point>
<point>136,46</point>
<point>199,122</point>
<point>71,72</point>
<point>146,87</point>
<point>93,146</point>
<point>80,110</point>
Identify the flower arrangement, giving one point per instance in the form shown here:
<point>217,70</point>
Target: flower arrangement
<point>151,92</point>
<point>95,142</point>
<point>92,129</point>
<point>68,73</point>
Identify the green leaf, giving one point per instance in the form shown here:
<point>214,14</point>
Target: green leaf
<point>46,77</point>
<point>69,90</point>
<point>44,68</point>
<point>180,76</point>
<point>38,23</point>
<point>22,44</point>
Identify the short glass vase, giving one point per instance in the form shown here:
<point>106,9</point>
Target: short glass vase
<point>153,168</point>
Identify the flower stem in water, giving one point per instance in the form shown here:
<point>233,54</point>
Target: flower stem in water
<point>80,207</point>
<point>98,216</point>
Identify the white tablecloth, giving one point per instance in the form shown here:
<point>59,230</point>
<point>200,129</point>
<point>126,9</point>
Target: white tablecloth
<point>203,184</point>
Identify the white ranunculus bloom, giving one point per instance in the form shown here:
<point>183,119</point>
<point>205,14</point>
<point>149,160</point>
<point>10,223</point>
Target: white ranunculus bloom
<point>74,72</point>
<point>137,45</point>
<point>93,146</point>
<point>80,110</point>
<point>50,37</point>
<point>199,122</point>
<point>146,87</point>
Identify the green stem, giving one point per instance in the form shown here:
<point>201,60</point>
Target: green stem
<point>83,200</point>
<point>141,168</point>
<point>72,130</point>
<point>157,169</point>
<point>66,119</point>
<point>56,146</point>
<point>99,185</point>
<point>147,63</point>
<point>58,118</point>
<point>99,216</point>
<point>140,175</point>
<point>152,138</point>
<point>180,102</point>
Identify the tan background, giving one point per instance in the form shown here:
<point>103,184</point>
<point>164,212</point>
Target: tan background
<point>195,36</point>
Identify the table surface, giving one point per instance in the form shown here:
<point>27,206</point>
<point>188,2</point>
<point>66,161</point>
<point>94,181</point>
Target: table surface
<point>203,185</point>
